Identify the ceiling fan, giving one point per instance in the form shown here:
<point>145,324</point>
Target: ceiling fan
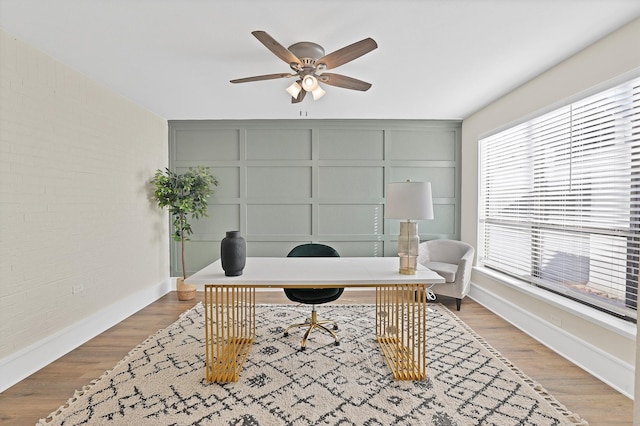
<point>309,63</point>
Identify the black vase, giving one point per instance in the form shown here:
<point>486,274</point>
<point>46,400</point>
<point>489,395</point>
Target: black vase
<point>233,253</point>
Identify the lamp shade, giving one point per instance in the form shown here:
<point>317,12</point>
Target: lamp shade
<point>409,201</point>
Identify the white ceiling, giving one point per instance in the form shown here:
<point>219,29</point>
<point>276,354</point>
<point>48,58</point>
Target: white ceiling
<point>437,59</point>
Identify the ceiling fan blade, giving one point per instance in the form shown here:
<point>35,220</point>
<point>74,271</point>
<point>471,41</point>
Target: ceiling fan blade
<point>344,81</point>
<point>348,53</point>
<point>299,98</point>
<point>263,77</point>
<point>279,50</point>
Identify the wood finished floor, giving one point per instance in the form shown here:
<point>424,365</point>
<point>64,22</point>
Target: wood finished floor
<point>43,392</point>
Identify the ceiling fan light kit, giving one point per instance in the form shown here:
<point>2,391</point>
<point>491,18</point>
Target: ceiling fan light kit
<point>309,63</point>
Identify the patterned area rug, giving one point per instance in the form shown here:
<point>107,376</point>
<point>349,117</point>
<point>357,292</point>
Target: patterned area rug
<point>161,382</point>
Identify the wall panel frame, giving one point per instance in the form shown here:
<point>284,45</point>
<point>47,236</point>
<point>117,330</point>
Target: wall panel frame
<point>286,182</point>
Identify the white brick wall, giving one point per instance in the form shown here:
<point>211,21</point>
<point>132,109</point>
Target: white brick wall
<point>75,213</point>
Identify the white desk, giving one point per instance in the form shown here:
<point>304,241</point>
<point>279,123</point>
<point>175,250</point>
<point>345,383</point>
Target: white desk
<point>230,306</point>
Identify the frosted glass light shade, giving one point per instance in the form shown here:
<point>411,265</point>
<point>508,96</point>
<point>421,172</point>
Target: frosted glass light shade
<point>309,83</point>
<point>317,93</point>
<point>409,200</point>
<point>294,89</point>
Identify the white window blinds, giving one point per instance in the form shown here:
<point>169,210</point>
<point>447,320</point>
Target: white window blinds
<point>560,200</point>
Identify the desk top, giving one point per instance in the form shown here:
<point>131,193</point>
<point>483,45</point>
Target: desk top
<point>282,272</point>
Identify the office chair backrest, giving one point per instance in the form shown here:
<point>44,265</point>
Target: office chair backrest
<point>313,250</point>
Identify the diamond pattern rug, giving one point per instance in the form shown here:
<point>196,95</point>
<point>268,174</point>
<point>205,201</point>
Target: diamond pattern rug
<point>161,382</point>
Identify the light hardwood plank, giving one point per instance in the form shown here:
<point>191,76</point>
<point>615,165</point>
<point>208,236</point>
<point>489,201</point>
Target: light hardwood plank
<point>43,392</point>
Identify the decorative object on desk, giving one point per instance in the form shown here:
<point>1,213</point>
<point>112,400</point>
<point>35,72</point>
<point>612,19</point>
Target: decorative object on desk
<point>184,194</point>
<point>233,253</point>
<point>411,201</point>
<point>162,380</point>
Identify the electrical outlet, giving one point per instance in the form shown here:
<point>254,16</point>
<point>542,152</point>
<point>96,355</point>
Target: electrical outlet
<point>76,289</point>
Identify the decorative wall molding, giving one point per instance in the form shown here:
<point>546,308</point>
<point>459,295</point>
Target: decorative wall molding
<point>284,182</point>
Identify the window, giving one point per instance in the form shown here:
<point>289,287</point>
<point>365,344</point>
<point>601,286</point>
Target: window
<point>560,200</point>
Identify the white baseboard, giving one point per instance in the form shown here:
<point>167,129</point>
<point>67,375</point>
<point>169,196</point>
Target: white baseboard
<point>27,361</point>
<point>612,371</point>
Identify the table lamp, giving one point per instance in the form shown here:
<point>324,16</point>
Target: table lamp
<point>411,201</point>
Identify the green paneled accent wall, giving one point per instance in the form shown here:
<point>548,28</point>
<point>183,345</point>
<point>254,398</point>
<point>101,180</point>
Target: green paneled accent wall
<point>285,182</point>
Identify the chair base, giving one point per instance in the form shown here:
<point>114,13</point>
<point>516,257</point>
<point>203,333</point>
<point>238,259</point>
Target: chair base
<point>313,323</point>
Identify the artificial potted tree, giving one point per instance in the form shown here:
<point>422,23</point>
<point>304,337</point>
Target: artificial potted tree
<point>185,195</point>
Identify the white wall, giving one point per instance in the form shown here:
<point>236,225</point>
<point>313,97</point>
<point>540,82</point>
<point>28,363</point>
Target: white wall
<point>81,245</point>
<point>612,59</point>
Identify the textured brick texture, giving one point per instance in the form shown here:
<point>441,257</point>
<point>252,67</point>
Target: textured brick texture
<point>78,230</point>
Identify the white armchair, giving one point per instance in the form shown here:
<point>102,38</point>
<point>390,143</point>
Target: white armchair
<point>453,261</point>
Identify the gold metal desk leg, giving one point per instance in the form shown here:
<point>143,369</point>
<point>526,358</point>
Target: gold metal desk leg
<point>230,329</point>
<point>401,330</point>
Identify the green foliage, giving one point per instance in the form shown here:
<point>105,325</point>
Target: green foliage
<point>184,194</point>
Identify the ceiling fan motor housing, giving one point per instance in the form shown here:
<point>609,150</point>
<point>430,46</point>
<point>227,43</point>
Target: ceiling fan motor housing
<point>307,52</point>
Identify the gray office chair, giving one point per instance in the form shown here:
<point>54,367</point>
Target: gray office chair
<point>313,296</point>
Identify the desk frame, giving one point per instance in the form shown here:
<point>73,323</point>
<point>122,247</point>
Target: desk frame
<point>401,324</point>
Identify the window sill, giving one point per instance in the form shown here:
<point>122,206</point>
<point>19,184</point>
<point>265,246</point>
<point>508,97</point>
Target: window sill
<point>617,325</point>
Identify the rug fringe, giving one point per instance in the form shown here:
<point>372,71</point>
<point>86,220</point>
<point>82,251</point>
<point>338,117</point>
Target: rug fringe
<point>575,418</point>
<point>79,392</point>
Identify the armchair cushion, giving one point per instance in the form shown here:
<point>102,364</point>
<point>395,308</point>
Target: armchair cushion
<point>445,270</point>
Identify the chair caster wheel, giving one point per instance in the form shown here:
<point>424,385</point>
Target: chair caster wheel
<point>337,344</point>
<point>302,348</point>
<point>335,326</point>
<point>286,334</point>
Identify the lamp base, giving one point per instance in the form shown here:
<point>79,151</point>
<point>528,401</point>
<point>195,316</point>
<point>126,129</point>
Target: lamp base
<point>408,265</point>
<point>408,241</point>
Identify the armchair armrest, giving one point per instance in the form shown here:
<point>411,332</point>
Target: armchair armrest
<point>463,275</point>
